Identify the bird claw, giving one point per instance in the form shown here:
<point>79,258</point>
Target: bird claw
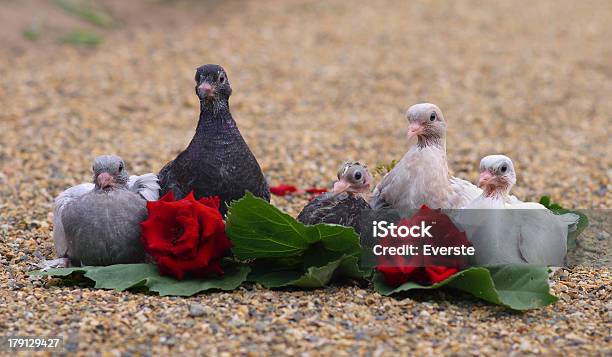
<point>55,263</point>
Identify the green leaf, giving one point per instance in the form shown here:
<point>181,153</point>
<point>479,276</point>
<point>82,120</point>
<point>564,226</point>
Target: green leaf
<point>583,221</point>
<point>259,230</point>
<point>545,201</point>
<point>287,252</point>
<point>121,277</point>
<point>518,287</point>
<point>522,287</point>
<point>314,277</point>
<point>276,276</point>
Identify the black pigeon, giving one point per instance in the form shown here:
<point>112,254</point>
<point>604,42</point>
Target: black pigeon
<point>217,162</point>
<point>344,205</point>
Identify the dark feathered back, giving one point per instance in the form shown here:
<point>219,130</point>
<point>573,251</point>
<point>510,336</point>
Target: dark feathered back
<point>343,209</point>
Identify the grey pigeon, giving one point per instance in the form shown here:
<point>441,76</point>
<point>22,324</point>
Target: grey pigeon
<point>421,177</point>
<point>504,229</point>
<point>99,223</point>
<point>345,204</point>
<point>217,162</point>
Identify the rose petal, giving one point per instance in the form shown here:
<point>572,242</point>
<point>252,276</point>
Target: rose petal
<point>186,245</point>
<point>437,274</point>
<point>168,197</point>
<point>159,229</point>
<point>153,237</point>
<point>208,218</point>
<point>282,189</point>
<point>169,267</point>
<point>213,202</point>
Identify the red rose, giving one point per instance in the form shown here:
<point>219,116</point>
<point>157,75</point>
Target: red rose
<point>185,237</point>
<point>395,276</point>
<point>421,268</point>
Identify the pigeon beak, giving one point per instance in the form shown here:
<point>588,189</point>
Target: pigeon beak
<point>414,129</point>
<point>105,180</point>
<point>341,186</point>
<point>485,178</point>
<point>205,89</point>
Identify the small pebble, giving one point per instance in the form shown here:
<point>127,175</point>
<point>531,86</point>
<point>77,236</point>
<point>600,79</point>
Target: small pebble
<point>196,310</point>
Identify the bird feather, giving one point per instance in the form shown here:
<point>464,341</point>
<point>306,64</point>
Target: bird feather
<point>146,185</point>
<point>421,178</point>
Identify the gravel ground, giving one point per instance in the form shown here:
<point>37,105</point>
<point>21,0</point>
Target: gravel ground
<point>315,84</point>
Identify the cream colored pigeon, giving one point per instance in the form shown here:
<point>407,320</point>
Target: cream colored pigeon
<point>421,177</point>
<point>89,215</point>
<point>505,230</point>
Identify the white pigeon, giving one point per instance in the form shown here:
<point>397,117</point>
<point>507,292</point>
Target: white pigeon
<point>421,177</point>
<point>505,230</point>
<point>144,185</point>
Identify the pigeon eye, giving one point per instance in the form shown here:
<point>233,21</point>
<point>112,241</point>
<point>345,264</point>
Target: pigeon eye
<point>357,175</point>
<point>432,117</point>
<point>504,168</point>
<point>120,167</point>
<point>221,78</point>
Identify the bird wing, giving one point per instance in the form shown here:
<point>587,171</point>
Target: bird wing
<point>570,219</point>
<point>377,201</point>
<point>146,185</point>
<point>315,211</point>
<point>492,231</point>
<point>463,192</point>
<point>389,189</point>
<point>240,172</point>
<point>543,236</point>
<point>60,203</point>
<point>104,229</point>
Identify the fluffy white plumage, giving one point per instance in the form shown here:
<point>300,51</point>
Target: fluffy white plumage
<point>146,185</point>
<point>507,230</point>
<point>421,177</point>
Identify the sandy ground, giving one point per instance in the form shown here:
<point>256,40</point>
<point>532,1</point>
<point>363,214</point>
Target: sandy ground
<point>314,84</point>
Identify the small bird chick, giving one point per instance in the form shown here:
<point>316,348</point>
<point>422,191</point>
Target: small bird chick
<point>345,203</point>
<point>504,229</point>
<point>99,223</point>
<point>497,176</point>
